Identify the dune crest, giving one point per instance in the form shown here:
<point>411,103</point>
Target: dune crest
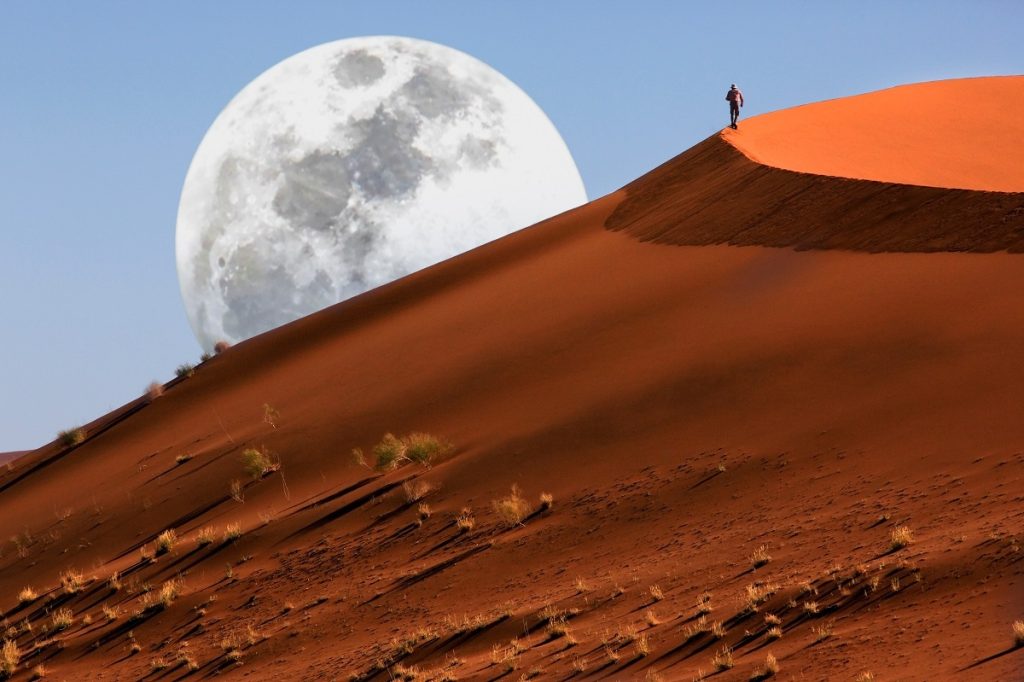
<point>960,134</point>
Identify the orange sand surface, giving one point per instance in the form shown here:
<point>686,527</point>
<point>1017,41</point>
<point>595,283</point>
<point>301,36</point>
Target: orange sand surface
<point>964,134</point>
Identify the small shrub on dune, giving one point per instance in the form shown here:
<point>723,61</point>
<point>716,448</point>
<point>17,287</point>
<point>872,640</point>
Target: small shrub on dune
<point>722,660</point>
<point>866,676</point>
<point>258,463</point>
<point>900,537</point>
<point>185,370</point>
<point>72,581</point>
<point>760,557</point>
<point>169,591</point>
<point>166,541</point>
<point>207,355</point>
<point>1018,633</point>
<point>423,511</point>
<point>511,509</point>
<point>770,667</point>
<point>71,437</point>
<point>546,501</point>
<point>111,613</point>
<point>10,657</point>
<point>642,646</point>
<point>221,346</point>
<point>465,521</point>
<point>418,448</point>
<point>205,536</point>
<point>39,672</point>
<point>154,390</point>
<point>656,592</point>
<point>416,490</point>
<point>27,595</point>
<point>62,619</point>
<point>232,532</point>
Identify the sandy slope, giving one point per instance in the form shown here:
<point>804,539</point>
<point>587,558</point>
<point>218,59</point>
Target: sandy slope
<point>684,403</point>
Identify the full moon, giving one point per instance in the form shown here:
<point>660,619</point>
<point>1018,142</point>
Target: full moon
<point>352,164</point>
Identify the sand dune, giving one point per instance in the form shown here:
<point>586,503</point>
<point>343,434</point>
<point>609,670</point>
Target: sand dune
<point>686,390</point>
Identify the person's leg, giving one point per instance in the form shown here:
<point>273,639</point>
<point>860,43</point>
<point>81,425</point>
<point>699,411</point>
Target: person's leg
<point>734,113</point>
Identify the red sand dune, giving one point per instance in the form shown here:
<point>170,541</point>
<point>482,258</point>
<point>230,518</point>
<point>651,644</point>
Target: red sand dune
<point>684,402</point>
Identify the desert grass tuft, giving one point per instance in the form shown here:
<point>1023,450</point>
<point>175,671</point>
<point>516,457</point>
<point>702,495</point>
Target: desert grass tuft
<point>166,541</point>
<point>10,657</point>
<point>232,532</point>
<point>722,660</point>
<point>655,592</point>
<point>39,672</point>
<point>258,463</point>
<point>169,591</point>
<point>206,536</point>
<point>221,346</point>
<point>27,595</point>
<point>774,632</point>
<point>416,490</point>
<point>154,390</point>
<point>511,509</point>
<point>72,581</point>
<point>704,604</point>
<point>900,537</point>
<point>1018,633</point>
<point>546,501</point>
<point>62,619</point>
<point>865,676</point>
<point>642,646</point>
<point>72,436</point>
<point>111,613</point>
<point>185,369</point>
<point>465,521</point>
<point>760,556</point>
<point>769,669</point>
<point>822,632</point>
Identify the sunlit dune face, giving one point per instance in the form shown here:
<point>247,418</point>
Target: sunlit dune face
<point>955,133</point>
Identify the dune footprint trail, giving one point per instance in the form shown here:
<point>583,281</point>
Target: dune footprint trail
<point>751,412</point>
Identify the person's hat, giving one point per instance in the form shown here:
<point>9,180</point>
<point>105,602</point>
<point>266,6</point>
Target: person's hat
<point>734,85</point>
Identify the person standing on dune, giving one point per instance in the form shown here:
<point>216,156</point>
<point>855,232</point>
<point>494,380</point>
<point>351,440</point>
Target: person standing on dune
<point>735,99</point>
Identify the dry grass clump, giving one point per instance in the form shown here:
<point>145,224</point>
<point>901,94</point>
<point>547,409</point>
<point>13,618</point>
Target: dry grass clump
<point>722,660</point>
<point>111,613</point>
<point>900,537</point>
<point>760,556</point>
<point>10,657</point>
<point>237,491</point>
<point>770,667</point>
<point>822,632</point>
<point>642,646</point>
<point>221,346</point>
<point>717,629</point>
<point>169,591</point>
<point>416,490</point>
<point>1018,633</point>
<point>185,369</point>
<point>811,607</point>
<point>865,676</point>
<point>656,593</point>
<point>62,619</point>
<point>206,536</point>
<point>72,581</point>
<point>258,463</point>
<point>39,672</point>
<point>423,511</point>
<point>166,541</point>
<point>232,532</point>
<point>154,390</point>
<point>546,501</point>
<point>512,509</point>
<point>651,618</point>
<point>72,436</point>
<point>27,595</point>
<point>772,619</point>
<point>774,632</point>
<point>704,604</point>
<point>465,521</point>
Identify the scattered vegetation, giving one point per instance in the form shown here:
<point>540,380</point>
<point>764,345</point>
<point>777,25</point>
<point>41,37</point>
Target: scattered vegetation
<point>39,672</point>
<point>420,448</point>
<point>822,632</point>
<point>704,604</point>
<point>114,581</point>
<point>270,415</point>
<point>546,501</point>
<point>221,346</point>
<point>865,676</point>
<point>10,657</point>
<point>72,581</point>
<point>722,660</point>
<point>774,632</point>
<point>258,463</point>
<point>642,646</point>
<point>237,492</point>
<point>71,437</point>
<point>656,593</point>
<point>465,521</point>
<point>512,509</point>
<point>27,595</point>
<point>232,532</point>
<point>185,369</point>
<point>206,356</point>
<point>423,511</point>
<point>62,619</point>
<point>770,667</point>
<point>1018,633</point>
<point>900,537</point>
<point>166,541</point>
<point>416,490</point>
<point>169,591</point>
<point>154,390</point>
<point>760,557</point>
<point>111,613</point>
<point>182,458</point>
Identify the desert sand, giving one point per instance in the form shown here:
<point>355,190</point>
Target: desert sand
<point>735,381</point>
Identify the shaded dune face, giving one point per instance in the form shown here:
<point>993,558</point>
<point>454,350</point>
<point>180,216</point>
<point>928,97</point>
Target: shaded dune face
<point>753,423</point>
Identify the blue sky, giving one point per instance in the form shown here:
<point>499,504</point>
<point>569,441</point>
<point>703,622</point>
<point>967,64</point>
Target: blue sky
<point>104,103</point>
